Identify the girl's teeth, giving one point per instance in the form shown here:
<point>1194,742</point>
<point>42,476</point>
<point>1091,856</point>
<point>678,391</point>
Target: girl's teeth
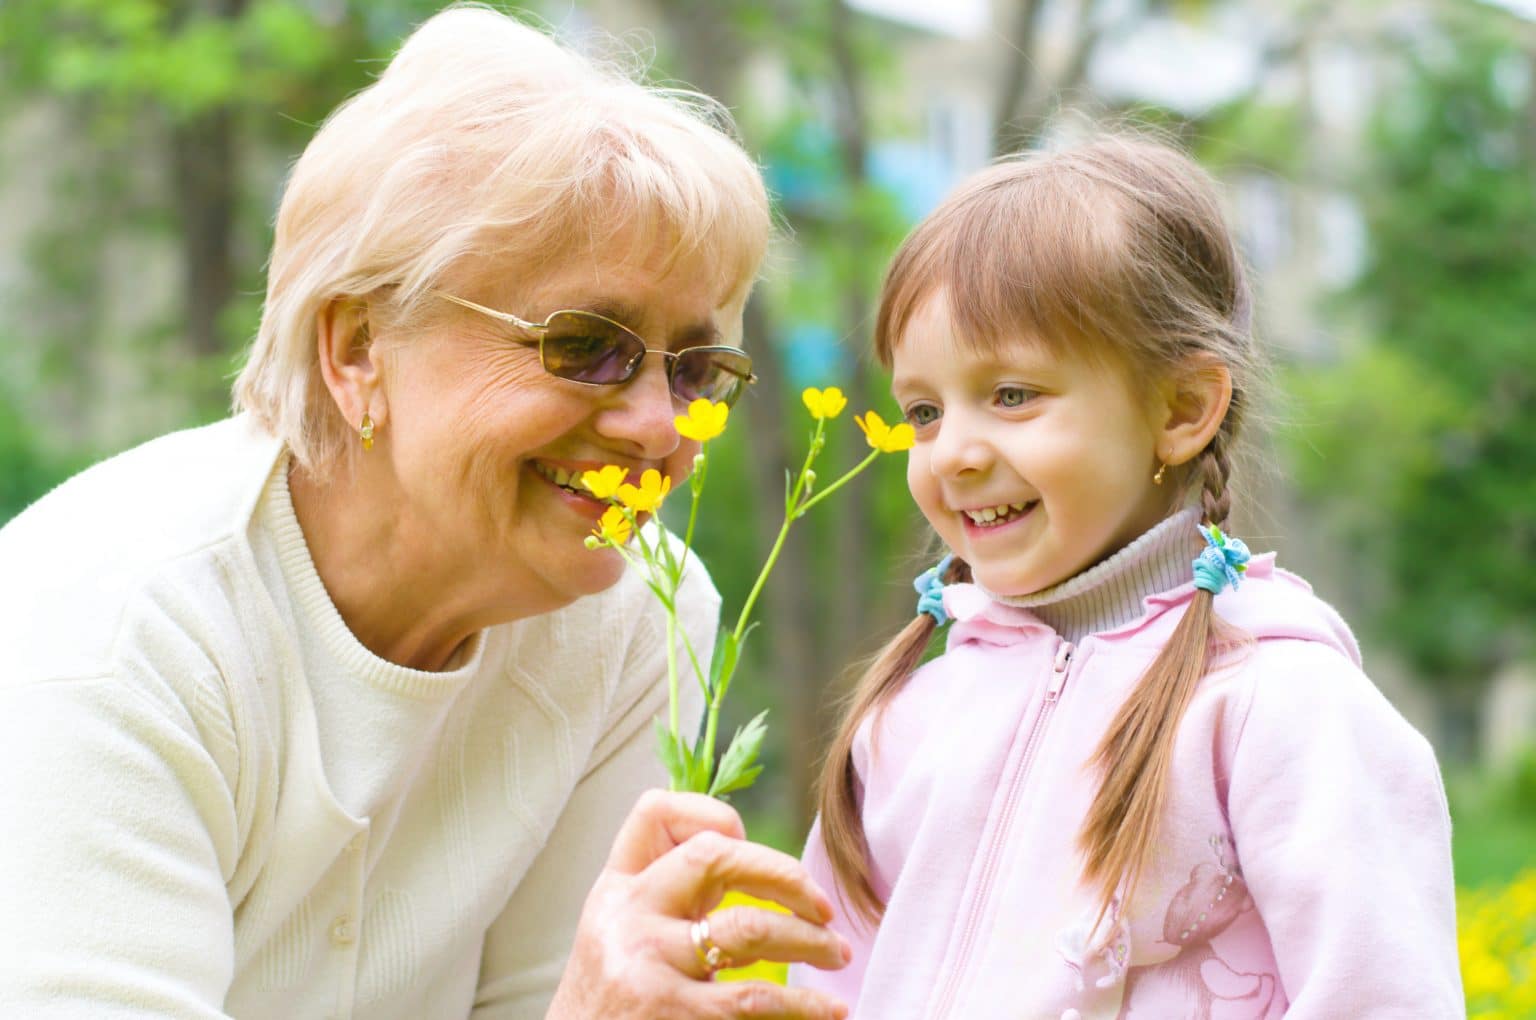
<point>988,515</point>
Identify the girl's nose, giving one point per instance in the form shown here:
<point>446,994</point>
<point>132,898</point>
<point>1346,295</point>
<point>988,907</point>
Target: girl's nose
<point>957,449</point>
<point>638,414</point>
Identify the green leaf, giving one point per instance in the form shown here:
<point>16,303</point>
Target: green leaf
<point>673,754</point>
<point>738,767</point>
<point>723,662</point>
<point>699,769</point>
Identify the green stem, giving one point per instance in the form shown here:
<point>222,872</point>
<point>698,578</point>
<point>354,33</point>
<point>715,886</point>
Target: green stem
<point>810,457</point>
<point>672,711</point>
<point>762,578</point>
<point>693,657</point>
<point>696,488</point>
<point>789,517</point>
<point>661,580</point>
<point>629,557</point>
<point>709,741</point>
<point>829,490</point>
<point>667,562</point>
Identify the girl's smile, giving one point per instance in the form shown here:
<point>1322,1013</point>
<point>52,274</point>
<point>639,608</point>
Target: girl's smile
<point>990,518</point>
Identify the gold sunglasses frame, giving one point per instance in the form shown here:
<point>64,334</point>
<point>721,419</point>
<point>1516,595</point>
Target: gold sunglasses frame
<point>540,329</point>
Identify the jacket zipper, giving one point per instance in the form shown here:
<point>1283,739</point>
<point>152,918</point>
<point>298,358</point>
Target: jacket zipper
<point>993,851</point>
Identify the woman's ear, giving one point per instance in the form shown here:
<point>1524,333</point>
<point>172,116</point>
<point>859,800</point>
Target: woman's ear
<point>1194,404</point>
<point>347,360</point>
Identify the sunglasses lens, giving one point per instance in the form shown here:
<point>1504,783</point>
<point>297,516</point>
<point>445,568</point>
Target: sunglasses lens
<point>585,348</point>
<point>715,373</point>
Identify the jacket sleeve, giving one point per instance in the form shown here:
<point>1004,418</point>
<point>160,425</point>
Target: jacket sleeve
<point>1343,835</point>
<point>116,828</point>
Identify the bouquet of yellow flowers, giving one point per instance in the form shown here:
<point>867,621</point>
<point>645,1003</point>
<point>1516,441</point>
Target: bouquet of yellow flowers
<point>692,764</point>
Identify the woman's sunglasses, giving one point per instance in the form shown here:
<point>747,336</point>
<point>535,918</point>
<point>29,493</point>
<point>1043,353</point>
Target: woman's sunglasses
<point>587,348</point>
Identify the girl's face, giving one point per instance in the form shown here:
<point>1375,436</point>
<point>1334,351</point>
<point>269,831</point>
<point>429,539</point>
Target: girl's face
<point>1031,467</point>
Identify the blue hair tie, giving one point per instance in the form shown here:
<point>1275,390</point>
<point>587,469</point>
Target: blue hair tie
<point>1222,562</point>
<point>930,591</point>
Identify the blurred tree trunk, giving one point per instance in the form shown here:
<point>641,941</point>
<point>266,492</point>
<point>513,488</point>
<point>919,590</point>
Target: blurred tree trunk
<point>203,164</point>
<point>205,161</point>
<point>848,575</point>
<point>1026,98</point>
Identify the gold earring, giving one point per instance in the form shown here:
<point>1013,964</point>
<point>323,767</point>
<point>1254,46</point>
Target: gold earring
<point>1157,479</point>
<point>366,431</point>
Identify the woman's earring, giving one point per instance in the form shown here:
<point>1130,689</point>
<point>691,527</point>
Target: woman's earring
<point>1157,479</point>
<point>366,431</point>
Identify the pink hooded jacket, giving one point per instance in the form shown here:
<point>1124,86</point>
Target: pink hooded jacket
<point>1303,869</point>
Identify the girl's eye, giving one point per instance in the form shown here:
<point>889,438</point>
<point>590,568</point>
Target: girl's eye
<point>1013,396</point>
<point>921,414</point>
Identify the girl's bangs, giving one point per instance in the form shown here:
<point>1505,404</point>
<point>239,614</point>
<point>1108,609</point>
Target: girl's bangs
<point>1017,255</point>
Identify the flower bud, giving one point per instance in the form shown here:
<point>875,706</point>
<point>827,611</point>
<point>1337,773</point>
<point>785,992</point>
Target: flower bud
<point>698,461</point>
<point>593,542</point>
<point>810,480</point>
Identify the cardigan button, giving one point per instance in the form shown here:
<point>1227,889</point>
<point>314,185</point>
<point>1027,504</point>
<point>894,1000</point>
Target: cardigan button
<point>343,931</point>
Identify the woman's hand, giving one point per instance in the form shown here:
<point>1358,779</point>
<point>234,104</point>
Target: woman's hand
<point>638,955</point>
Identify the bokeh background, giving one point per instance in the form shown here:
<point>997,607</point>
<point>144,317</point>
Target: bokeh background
<point>1379,160</point>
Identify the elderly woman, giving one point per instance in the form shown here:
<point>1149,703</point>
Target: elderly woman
<point>324,710</point>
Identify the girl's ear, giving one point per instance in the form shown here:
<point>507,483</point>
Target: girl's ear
<point>347,360</point>
<point>1194,404</point>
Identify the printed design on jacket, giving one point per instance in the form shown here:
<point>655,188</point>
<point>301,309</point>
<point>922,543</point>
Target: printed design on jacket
<point>1205,906</point>
<point>1096,955</point>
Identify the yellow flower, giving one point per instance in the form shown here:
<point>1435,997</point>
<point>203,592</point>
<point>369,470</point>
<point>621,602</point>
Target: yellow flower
<point>824,404</point>
<point>647,497</point>
<point>704,421</point>
<point>883,437</point>
<point>614,527</point>
<point>603,484</point>
<point>762,970</point>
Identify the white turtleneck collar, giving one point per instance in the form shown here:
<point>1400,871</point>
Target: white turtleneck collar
<point>1112,592</point>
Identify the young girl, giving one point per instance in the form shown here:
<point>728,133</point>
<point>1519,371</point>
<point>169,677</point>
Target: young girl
<point>1147,777</point>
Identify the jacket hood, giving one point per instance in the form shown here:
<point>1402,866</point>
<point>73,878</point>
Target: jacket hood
<point>1269,604</point>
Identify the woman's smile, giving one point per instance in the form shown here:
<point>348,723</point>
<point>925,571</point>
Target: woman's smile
<point>567,483</point>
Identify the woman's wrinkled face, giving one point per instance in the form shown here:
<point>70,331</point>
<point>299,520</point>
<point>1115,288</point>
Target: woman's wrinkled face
<point>488,448</point>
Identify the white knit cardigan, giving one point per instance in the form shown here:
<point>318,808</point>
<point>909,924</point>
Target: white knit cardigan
<point>215,802</point>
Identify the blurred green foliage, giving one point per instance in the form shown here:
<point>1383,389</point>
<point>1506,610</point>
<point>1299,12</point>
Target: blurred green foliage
<point>1422,440</point>
<point>26,471</point>
<point>181,58</point>
<point>176,117</point>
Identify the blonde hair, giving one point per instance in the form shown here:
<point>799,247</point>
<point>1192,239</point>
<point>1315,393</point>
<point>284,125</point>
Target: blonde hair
<point>1116,250</point>
<point>485,139</point>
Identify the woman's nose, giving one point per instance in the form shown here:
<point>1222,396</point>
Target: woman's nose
<point>639,414</point>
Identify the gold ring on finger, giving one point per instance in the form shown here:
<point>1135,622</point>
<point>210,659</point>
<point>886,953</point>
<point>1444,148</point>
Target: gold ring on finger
<point>710,955</point>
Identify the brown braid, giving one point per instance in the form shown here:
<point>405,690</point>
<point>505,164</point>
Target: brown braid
<point>842,828</point>
<point>1215,470</point>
